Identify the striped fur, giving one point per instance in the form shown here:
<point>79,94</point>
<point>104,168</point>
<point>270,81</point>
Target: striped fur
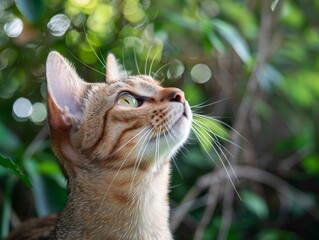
<point>116,158</point>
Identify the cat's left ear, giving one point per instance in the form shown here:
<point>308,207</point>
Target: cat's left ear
<point>114,70</point>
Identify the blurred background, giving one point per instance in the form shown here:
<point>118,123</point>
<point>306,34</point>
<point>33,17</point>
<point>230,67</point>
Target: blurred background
<point>251,64</point>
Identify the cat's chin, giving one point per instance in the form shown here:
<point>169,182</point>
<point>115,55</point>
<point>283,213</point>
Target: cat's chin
<point>168,143</point>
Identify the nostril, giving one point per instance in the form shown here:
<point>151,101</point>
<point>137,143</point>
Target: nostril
<point>178,97</point>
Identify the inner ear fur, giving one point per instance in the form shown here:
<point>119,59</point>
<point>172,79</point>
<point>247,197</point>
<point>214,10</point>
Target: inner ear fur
<point>65,89</point>
<point>114,70</point>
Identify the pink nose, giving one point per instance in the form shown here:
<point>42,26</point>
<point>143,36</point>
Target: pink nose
<point>172,95</point>
<point>177,96</point>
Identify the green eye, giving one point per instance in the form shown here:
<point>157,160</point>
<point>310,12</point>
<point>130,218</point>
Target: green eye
<point>127,100</point>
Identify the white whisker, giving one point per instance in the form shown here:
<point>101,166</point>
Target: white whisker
<point>151,66</point>
<point>203,138</point>
<point>146,61</point>
<point>203,105</point>
<point>88,40</point>
<point>161,68</point>
<point>140,155</point>
<point>138,69</point>
<point>223,123</point>
<point>86,64</point>
<point>219,146</point>
<point>170,150</point>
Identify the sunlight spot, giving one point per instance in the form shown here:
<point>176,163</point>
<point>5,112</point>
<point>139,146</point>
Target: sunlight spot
<point>22,109</point>
<point>39,113</point>
<point>58,25</point>
<point>133,11</point>
<point>201,73</point>
<point>134,43</point>
<point>13,28</point>
<point>75,7</point>
<point>100,20</point>
<point>81,3</point>
<point>176,70</point>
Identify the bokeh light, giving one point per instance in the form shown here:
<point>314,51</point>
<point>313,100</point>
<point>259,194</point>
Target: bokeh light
<point>14,27</point>
<point>39,112</point>
<point>22,109</point>
<point>201,73</point>
<point>176,70</point>
<point>58,25</point>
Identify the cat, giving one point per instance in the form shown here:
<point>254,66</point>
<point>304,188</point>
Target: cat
<point>114,141</point>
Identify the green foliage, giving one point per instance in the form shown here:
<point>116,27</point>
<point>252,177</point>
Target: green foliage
<point>255,204</point>
<point>311,164</point>
<point>11,166</point>
<point>170,38</point>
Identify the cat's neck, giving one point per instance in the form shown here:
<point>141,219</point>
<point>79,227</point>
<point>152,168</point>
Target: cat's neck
<point>96,211</point>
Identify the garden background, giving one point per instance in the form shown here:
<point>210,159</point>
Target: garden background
<point>251,64</point>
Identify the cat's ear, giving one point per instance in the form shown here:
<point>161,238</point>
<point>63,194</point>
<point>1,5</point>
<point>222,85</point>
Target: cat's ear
<point>114,70</point>
<point>65,89</point>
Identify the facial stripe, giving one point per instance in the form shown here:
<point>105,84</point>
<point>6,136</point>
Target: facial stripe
<point>117,142</point>
<point>99,139</point>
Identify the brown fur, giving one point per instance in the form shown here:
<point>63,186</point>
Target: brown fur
<point>115,158</point>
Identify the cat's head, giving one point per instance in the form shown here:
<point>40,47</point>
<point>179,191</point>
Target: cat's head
<point>125,122</point>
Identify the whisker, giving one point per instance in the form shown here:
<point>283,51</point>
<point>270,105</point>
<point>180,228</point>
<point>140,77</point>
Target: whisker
<point>217,135</point>
<point>135,136</point>
<point>140,156</point>
<point>223,123</point>
<point>151,66</point>
<point>200,139</point>
<point>170,150</point>
<point>138,69</point>
<point>129,154</point>
<point>101,61</point>
<point>157,146</point>
<point>203,105</point>
<point>122,164</point>
<point>219,146</point>
<point>86,64</point>
<point>123,60</point>
<point>161,68</point>
<point>146,61</point>
<point>222,162</point>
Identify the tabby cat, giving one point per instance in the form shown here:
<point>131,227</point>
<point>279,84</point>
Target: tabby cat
<point>114,141</point>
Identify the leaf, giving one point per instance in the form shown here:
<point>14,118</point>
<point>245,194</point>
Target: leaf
<point>274,5</point>
<point>30,9</point>
<point>10,165</point>
<point>233,37</point>
<point>276,234</point>
<point>8,141</point>
<point>209,130</point>
<point>255,204</point>
<point>311,164</point>
<point>182,21</point>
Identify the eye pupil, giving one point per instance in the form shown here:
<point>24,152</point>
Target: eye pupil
<point>128,100</point>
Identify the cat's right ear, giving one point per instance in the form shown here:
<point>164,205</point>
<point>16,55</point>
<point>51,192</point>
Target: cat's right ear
<point>65,89</point>
<point>114,70</point>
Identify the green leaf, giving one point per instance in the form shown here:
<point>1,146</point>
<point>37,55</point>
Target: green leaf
<point>10,165</point>
<point>233,37</point>
<point>274,5</point>
<point>8,140</point>
<point>208,131</point>
<point>31,9</point>
<point>311,164</point>
<point>255,204</point>
<point>276,234</point>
